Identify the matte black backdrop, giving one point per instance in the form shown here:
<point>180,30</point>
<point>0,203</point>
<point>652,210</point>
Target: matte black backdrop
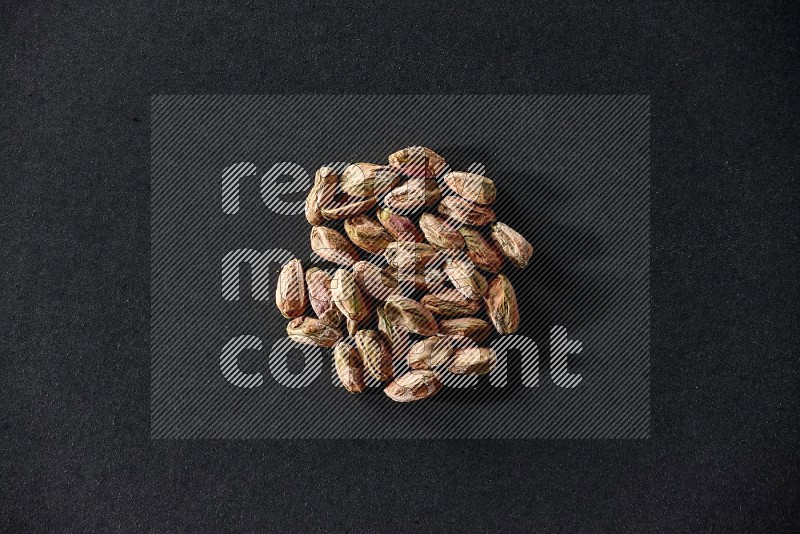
<point>74,134</point>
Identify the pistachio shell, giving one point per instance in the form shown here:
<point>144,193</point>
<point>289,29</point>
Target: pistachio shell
<point>333,317</point>
<point>347,297</point>
<point>401,228</point>
<point>321,194</point>
<point>329,244</point>
<point>418,161</point>
<point>374,281</point>
<point>450,303</point>
<point>319,293</point>
<point>351,325</point>
<point>483,253</point>
<point>471,187</point>
<point>501,305</point>
<point>414,386</point>
<point>514,246</point>
<point>430,353</point>
<point>310,331</point>
<point>440,233</point>
<point>394,333</point>
<point>466,278</point>
<point>473,361</point>
<point>470,327</point>
<point>367,233</point>
<point>347,207</point>
<point>347,362</point>
<point>465,211</point>
<point>408,255</point>
<point>290,292</point>
<point>413,195</point>
<point>421,278</point>
<point>375,354</point>
<point>368,179</point>
<point>411,314</point>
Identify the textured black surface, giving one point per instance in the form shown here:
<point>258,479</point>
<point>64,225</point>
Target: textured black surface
<point>573,175</point>
<point>76,84</point>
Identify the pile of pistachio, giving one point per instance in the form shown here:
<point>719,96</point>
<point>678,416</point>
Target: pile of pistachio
<point>431,285</point>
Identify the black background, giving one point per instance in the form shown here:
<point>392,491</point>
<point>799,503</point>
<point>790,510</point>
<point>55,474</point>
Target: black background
<point>573,173</point>
<point>74,135</point>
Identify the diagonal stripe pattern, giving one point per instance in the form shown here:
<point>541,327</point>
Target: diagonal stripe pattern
<point>229,175</point>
